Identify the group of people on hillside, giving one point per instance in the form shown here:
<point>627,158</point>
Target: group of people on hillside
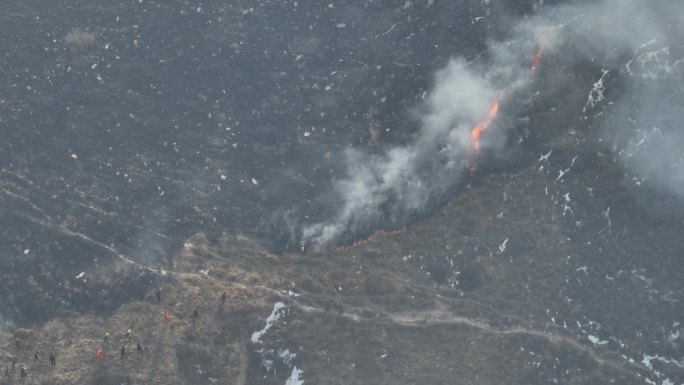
<point>127,337</point>
<point>23,371</point>
<point>107,339</point>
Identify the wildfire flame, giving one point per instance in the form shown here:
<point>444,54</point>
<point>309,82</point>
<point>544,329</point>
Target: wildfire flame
<point>477,131</point>
<point>370,238</point>
<point>538,51</point>
<point>355,244</point>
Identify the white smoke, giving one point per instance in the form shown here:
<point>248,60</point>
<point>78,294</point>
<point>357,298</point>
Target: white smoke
<point>383,190</point>
<point>643,120</point>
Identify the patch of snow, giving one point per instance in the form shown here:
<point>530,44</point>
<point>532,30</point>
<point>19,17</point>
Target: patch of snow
<point>287,356</point>
<point>294,377</point>
<point>502,246</point>
<point>275,316</point>
<point>545,157</point>
<point>596,93</point>
<point>673,336</point>
<point>561,173</point>
<point>596,340</point>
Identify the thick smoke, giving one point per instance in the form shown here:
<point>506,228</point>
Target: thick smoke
<point>388,190</point>
<point>404,180</point>
<point>646,115</point>
<point>638,97</point>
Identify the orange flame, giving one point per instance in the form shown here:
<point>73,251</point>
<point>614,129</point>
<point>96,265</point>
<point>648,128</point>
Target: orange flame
<point>538,51</point>
<point>396,231</point>
<point>364,241</point>
<point>477,131</point>
<point>355,244</point>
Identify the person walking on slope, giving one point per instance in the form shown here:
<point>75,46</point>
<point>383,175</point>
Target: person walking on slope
<point>123,351</point>
<point>53,359</point>
<point>139,348</point>
<point>157,293</point>
<point>165,316</point>
<point>99,354</point>
<point>223,298</point>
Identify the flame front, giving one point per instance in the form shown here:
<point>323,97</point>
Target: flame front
<point>477,131</point>
<point>538,51</point>
<point>355,244</point>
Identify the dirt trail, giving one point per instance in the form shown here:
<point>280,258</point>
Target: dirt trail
<point>244,364</point>
<point>440,316</point>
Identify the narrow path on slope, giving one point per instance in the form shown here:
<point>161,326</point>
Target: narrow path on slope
<point>244,364</point>
<point>440,316</point>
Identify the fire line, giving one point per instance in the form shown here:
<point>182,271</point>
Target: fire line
<point>538,51</point>
<point>477,131</point>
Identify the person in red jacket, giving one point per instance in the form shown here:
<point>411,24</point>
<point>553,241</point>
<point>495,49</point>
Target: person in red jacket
<point>165,316</point>
<point>99,354</point>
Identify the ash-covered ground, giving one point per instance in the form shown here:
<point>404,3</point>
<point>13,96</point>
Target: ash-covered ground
<point>141,138</point>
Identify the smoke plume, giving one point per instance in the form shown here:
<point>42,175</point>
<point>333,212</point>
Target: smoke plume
<point>388,190</point>
<point>638,96</point>
<point>391,188</point>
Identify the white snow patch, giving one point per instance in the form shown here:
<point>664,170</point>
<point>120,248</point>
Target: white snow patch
<point>502,246</point>
<point>545,157</point>
<point>596,340</point>
<point>673,336</point>
<point>287,356</point>
<point>596,93</point>
<point>561,173</point>
<point>294,377</point>
<point>275,315</point>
